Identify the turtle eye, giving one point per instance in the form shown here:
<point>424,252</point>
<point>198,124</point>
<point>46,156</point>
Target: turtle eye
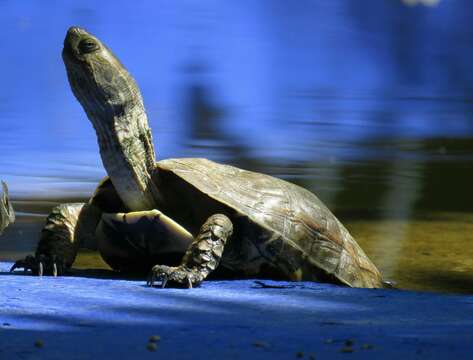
<point>87,46</point>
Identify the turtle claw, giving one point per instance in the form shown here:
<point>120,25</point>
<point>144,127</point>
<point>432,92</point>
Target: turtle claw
<point>151,279</point>
<point>27,264</point>
<point>15,266</point>
<point>174,276</point>
<point>164,281</point>
<point>19,264</point>
<point>54,269</point>
<point>40,265</point>
<point>158,273</point>
<point>40,268</point>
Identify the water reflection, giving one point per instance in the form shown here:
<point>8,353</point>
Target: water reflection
<point>367,105</point>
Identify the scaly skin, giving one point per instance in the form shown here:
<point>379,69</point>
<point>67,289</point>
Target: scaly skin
<point>114,105</point>
<point>201,258</point>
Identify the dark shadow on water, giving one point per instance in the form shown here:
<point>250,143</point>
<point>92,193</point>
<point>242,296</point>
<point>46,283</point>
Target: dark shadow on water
<point>445,280</point>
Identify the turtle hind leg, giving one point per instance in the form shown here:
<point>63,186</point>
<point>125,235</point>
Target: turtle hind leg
<point>201,258</point>
<point>60,239</point>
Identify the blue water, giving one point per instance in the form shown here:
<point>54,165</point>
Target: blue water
<point>284,83</point>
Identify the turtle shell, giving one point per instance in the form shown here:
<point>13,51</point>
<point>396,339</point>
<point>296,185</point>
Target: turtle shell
<point>292,216</point>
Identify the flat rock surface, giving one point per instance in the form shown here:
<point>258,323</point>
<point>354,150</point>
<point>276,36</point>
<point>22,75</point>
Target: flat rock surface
<point>93,315</point>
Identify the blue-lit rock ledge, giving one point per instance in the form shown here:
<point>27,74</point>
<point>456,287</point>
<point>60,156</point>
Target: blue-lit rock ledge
<point>90,315</point>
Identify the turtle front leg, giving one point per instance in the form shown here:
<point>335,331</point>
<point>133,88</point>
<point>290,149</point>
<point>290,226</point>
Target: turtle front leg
<point>200,259</point>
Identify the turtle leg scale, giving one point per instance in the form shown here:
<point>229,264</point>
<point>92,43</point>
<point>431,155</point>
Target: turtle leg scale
<point>200,259</point>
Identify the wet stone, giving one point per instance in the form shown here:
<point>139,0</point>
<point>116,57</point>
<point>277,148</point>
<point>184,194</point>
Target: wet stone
<point>260,344</point>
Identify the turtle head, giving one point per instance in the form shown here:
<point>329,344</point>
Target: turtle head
<point>98,79</point>
<point>113,103</point>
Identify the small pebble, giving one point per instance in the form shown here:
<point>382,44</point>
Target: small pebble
<point>300,354</point>
<point>328,341</point>
<point>367,346</point>
<point>311,356</point>
<point>260,344</point>
<point>152,346</point>
<point>349,342</point>
<point>39,343</point>
<point>154,338</point>
<point>346,349</point>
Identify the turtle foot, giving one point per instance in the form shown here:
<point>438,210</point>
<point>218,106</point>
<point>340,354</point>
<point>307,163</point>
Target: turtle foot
<point>180,277</point>
<point>41,265</point>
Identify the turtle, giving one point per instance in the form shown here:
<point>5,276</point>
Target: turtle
<point>7,214</point>
<point>184,219</point>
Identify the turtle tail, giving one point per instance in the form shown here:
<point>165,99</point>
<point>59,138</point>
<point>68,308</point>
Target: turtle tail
<point>389,284</point>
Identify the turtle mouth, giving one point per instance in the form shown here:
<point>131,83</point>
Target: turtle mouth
<point>68,55</point>
<point>74,34</point>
